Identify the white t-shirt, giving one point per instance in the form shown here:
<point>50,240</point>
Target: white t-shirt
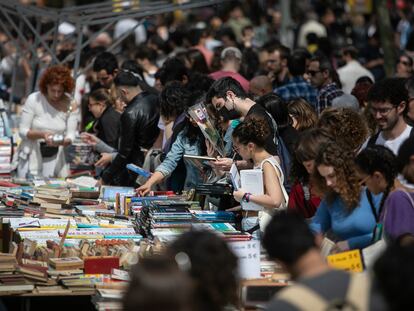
<point>394,144</point>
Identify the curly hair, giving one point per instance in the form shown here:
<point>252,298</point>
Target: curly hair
<point>304,113</point>
<point>254,129</point>
<point>342,161</point>
<point>347,126</point>
<point>213,268</point>
<point>57,75</point>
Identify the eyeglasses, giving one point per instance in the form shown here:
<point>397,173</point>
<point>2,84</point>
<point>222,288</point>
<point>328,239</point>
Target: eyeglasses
<point>364,180</point>
<point>381,111</point>
<point>313,72</point>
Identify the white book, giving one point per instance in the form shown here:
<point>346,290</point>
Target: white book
<point>252,181</point>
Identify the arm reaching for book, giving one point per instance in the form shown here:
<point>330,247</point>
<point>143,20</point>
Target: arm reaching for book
<point>155,179</point>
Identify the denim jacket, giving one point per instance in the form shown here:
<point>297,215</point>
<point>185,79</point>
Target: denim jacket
<point>180,147</point>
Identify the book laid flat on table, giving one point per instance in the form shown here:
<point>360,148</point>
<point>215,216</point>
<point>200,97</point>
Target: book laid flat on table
<point>68,263</point>
<point>252,181</point>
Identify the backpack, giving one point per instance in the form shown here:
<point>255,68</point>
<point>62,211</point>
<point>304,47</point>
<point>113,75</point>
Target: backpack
<point>306,299</point>
<point>283,153</point>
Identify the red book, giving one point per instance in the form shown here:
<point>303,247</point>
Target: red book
<point>100,265</point>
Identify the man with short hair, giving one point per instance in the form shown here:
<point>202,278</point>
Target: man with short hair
<point>227,96</point>
<point>106,68</point>
<point>230,65</point>
<point>352,71</point>
<point>297,86</point>
<point>320,73</point>
<point>289,241</point>
<point>388,100</point>
<point>138,131</point>
<point>260,85</point>
<point>277,64</point>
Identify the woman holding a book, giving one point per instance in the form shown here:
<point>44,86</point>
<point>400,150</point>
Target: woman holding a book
<point>347,210</point>
<point>249,140</point>
<point>189,141</point>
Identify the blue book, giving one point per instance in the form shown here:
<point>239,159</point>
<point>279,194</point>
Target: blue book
<point>139,170</point>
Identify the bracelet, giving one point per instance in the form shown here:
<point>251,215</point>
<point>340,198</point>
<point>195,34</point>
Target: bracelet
<point>246,197</point>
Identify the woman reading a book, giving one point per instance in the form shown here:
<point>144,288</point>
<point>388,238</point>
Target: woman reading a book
<point>347,209</point>
<point>249,140</point>
<point>190,141</point>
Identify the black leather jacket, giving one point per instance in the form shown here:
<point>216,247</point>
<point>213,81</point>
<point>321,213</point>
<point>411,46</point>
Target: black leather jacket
<point>139,129</point>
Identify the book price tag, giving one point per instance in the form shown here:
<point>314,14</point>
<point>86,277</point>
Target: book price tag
<point>350,261</point>
<point>248,253</point>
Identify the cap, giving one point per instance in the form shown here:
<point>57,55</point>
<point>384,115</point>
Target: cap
<point>231,52</point>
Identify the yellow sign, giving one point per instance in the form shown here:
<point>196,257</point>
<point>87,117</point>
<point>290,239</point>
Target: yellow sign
<point>350,261</point>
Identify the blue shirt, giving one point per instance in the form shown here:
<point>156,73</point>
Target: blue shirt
<point>356,226</point>
<point>180,147</point>
<point>298,87</point>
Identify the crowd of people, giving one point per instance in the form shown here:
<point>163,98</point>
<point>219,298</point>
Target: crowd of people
<point>331,133</point>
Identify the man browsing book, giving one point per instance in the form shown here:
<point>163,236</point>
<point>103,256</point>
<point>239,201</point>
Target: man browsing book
<point>228,97</point>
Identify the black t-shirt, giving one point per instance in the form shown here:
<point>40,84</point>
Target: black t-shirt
<point>259,111</point>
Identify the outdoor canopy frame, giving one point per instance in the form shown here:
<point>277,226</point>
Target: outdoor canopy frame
<point>14,17</point>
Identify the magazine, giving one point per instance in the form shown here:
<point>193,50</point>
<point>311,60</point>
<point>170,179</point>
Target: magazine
<point>199,114</point>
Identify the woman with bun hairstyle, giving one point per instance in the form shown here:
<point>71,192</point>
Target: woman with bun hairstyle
<point>249,139</point>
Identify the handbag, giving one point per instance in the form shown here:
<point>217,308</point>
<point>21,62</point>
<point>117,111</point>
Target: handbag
<point>48,151</point>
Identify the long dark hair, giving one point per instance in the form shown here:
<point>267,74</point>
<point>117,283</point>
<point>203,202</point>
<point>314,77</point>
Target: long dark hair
<point>379,159</point>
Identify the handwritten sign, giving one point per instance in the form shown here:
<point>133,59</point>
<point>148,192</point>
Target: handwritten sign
<point>349,261</point>
<point>248,253</point>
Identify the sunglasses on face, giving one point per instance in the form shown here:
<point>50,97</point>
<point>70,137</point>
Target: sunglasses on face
<point>313,72</point>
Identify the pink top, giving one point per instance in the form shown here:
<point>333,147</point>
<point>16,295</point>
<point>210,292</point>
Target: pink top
<point>236,76</point>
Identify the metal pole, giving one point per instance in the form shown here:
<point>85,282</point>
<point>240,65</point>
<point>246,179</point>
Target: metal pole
<point>78,50</point>
<point>35,59</point>
<point>16,64</point>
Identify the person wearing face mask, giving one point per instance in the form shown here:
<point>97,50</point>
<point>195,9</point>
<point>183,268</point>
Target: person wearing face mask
<point>302,196</point>
<point>346,211</point>
<point>227,96</point>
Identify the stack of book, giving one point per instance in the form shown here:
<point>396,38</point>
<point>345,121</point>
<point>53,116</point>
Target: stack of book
<point>52,197</point>
<point>214,216</point>
<point>6,152</point>
<point>69,263</point>
<point>157,215</point>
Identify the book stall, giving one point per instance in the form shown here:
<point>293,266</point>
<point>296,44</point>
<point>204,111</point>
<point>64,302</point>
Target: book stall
<point>67,238</point>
